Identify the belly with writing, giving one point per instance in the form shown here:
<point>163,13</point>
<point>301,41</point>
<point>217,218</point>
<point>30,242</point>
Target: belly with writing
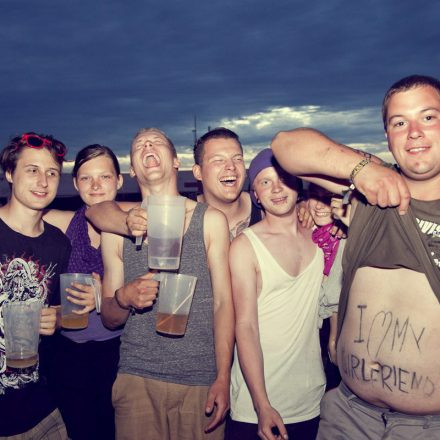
<point>389,349</point>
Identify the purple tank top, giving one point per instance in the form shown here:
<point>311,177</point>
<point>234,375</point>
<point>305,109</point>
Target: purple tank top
<point>84,258</point>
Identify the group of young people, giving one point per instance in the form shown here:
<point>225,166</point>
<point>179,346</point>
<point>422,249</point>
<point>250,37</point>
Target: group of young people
<point>265,281</point>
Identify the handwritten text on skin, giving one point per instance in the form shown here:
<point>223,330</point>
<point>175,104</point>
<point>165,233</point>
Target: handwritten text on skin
<point>387,333</point>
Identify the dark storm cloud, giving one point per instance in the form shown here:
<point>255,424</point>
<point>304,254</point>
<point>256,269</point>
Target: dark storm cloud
<point>97,71</point>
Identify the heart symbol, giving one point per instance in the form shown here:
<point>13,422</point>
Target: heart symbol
<point>378,332</point>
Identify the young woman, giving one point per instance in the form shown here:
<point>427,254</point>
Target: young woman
<point>86,363</point>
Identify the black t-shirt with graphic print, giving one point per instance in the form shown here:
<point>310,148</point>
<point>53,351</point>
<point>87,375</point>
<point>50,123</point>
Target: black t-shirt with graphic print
<point>428,217</point>
<point>29,269</point>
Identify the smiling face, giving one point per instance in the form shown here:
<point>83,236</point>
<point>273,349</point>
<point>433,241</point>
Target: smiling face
<point>152,157</point>
<point>319,205</point>
<point>276,192</point>
<point>34,182</point>
<point>97,180</point>
<point>413,132</point>
<point>222,170</point>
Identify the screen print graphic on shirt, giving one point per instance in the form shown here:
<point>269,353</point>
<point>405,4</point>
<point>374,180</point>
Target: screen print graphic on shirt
<point>21,279</point>
<point>431,232</point>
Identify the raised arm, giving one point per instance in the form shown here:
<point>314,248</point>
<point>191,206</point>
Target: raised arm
<point>307,153</point>
<point>244,269</point>
<point>217,249</point>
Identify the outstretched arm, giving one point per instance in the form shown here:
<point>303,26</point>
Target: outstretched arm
<point>111,216</point>
<point>313,156</point>
<point>244,269</point>
<point>217,249</point>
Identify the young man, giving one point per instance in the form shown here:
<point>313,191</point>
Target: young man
<point>168,388</point>
<point>277,377</point>
<point>32,255</point>
<point>387,350</point>
<point>219,165</point>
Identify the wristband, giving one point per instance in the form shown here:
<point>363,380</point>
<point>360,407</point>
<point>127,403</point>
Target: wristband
<point>358,167</point>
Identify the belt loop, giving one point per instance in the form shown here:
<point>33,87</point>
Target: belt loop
<point>384,418</point>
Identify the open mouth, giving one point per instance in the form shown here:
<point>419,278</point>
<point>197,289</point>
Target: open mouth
<point>151,160</point>
<point>322,213</point>
<point>228,180</point>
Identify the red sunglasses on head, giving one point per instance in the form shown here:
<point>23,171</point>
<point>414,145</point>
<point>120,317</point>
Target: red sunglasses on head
<point>36,141</point>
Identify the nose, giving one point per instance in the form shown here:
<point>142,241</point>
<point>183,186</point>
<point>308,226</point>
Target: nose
<point>96,183</point>
<point>42,179</point>
<point>230,164</point>
<point>277,186</point>
<point>319,204</point>
<point>414,130</point>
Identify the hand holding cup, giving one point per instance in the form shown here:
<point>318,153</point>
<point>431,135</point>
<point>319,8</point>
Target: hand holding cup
<point>48,321</point>
<point>139,293</point>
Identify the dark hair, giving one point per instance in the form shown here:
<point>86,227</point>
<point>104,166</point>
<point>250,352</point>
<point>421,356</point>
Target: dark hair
<point>407,83</point>
<point>92,151</point>
<point>11,153</point>
<point>149,129</point>
<point>215,133</point>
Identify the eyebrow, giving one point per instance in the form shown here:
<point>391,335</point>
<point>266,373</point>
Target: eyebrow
<point>421,111</point>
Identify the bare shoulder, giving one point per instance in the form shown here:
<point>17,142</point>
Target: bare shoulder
<point>241,245</point>
<point>111,244</point>
<point>59,218</point>
<point>215,218</point>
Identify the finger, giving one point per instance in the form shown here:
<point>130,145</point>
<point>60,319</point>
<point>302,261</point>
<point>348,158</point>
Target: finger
<point>210,401</point>
<point>266,434</point>
<point>310,223</point>
<point>282,430</point>
<point>382,198</point>
<point>83,311</point>
<point>301,212</point>
<point>405,197</point>
<point>148,276</point>
<point>215,421</point>
<point>48,312</point>
<point>79,301</point>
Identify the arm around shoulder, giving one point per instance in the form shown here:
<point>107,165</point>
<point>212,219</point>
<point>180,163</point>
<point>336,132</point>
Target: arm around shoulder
<point>110,216</point>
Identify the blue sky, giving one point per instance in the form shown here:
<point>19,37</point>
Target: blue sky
<point>95,72</point>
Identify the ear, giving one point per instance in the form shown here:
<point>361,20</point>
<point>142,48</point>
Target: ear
<point>132,173</point>
<point>256,197</point>
<point>197,172</point>
<point>8,176</point>
<point>120,181</point>
<point>75,184</point>
<point>386,137</point>
<point>176,163</point>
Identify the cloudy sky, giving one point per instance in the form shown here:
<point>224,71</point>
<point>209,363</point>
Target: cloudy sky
<point>96,71</point>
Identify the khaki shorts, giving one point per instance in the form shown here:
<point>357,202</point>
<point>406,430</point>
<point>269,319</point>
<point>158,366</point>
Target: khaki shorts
<point>50,428</point>
<point>155,410</point>
<point>344,416</point>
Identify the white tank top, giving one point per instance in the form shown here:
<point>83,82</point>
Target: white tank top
<point>289,337</point>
